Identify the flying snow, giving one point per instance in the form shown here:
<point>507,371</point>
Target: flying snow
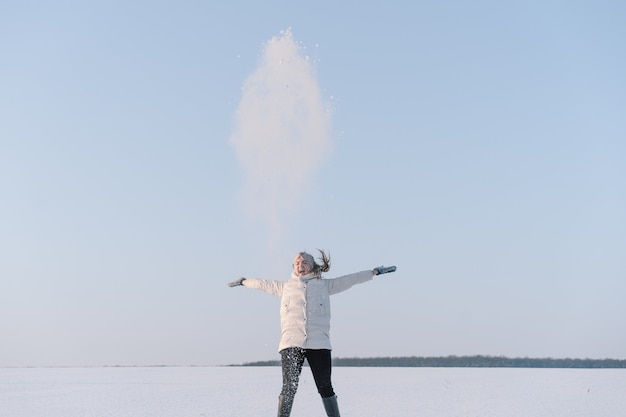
<point>281,134</point>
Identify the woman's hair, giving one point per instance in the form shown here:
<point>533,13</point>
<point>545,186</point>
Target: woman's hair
<point>317,269</point>
<point>325,266</point>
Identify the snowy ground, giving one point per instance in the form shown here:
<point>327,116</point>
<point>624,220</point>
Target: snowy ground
<point>363,392</point>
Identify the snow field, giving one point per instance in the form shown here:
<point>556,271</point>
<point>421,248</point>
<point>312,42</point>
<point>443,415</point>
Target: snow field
<point>363,392</point>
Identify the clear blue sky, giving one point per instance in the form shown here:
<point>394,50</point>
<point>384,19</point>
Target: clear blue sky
<point>479,146</point>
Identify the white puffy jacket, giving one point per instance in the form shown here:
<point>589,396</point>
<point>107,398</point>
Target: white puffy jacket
<point>305,306</point>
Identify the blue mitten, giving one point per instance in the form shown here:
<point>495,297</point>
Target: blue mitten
<point>384,269</point>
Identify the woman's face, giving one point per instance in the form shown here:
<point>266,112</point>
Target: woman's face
<point>301,266</point>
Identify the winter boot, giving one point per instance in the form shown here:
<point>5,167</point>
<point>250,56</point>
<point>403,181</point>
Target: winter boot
<point>330,404</point>
<point>284,405</point>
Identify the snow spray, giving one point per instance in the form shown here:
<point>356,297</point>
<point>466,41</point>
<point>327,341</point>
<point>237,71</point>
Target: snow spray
<point>281,135</point>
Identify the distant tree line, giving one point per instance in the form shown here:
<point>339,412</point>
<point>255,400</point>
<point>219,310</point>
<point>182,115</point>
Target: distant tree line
<point>467,362</point>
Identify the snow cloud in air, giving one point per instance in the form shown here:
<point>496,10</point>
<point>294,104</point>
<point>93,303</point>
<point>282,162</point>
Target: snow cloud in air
<point>281,134</point>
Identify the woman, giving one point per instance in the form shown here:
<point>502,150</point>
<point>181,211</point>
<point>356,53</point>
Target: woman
<point>305,323</point>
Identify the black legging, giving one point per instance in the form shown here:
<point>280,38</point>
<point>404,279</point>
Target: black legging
<point>320,364</point>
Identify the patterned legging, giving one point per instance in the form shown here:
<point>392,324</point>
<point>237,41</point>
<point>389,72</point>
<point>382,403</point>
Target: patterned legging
<point>320,363</point>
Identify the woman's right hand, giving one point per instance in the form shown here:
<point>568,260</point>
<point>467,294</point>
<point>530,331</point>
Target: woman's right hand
<point>237,283</point>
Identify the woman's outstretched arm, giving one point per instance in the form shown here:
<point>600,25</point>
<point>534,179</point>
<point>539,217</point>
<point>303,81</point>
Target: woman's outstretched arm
<point>269,286</point>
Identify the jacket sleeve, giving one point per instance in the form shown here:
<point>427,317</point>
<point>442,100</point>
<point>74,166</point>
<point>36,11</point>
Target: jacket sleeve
<point>339,284</point>
<point>269,286</point>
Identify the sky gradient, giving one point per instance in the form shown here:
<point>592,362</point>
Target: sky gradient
<point>479,147</point>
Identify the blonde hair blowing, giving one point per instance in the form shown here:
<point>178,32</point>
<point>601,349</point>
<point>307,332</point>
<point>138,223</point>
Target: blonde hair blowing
<point>316,268</point>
